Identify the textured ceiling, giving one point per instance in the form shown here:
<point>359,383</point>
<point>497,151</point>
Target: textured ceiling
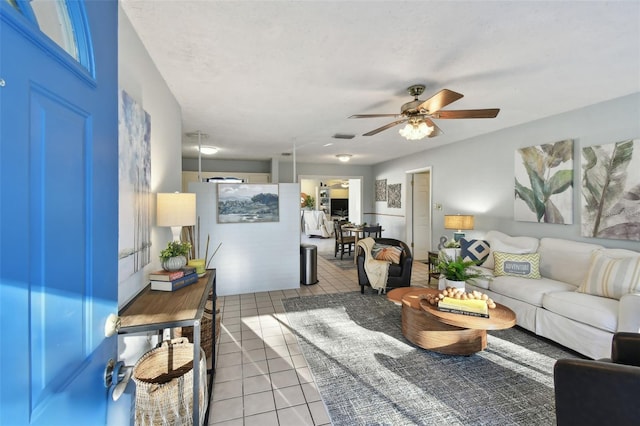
<point>261,77</point>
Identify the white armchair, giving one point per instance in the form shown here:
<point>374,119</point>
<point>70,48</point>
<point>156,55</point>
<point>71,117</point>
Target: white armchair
<point>316,223</point>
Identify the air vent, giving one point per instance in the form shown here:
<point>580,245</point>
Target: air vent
<point>343,136</point>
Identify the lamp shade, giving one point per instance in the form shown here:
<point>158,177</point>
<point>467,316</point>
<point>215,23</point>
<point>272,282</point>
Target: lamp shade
<point>458,221</point>
<point>176,209</point>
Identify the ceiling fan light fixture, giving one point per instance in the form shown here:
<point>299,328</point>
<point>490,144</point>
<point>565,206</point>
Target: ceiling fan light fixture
<point>414,131</point>
<point>344,157</point>
<point>208,150</point>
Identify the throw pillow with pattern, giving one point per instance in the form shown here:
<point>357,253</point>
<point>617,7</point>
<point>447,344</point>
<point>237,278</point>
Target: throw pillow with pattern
<point>610,276</point>
<point>474,250</point>
<point>386,252</point>
<point>517,265</point>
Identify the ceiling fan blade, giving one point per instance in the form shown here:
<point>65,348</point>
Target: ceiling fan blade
<point>439,101</point>
<point>437,131</point>
<point>468,113</point>
<point>385,127</point>
<point>375,115</point>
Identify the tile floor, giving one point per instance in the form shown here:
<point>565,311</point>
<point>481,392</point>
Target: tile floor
<point>262,377</point>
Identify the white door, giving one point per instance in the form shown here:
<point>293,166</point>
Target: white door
<point>421,215</point>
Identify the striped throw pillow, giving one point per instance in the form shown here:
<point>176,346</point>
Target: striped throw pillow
<point>517,265</point>
<point>386,252</point>
<point>611,277</point>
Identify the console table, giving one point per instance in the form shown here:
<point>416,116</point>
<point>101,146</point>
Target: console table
<point>156,310</point>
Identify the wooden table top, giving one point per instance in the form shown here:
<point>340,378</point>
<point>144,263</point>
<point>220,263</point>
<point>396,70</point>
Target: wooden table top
<point>499,318</point>
<point>397,295</point>
<point>166,307</point>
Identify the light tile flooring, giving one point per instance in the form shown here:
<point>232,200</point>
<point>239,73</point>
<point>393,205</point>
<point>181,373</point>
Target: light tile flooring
<point>262,377</point>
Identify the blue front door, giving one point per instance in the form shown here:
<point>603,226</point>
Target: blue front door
<point>58,214</point>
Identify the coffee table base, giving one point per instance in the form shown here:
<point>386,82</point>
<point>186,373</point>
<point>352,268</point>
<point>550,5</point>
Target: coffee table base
<point>423,330</point>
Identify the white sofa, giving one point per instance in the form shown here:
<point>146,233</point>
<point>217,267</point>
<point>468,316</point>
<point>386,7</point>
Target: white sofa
<point>550,306</point>
<point>315,223</point>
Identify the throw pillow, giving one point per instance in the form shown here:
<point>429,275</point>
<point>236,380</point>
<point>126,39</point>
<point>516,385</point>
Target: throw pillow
<point>610,276</point>
<point>517,265</point>
<point>474,250</point>
<point>386,252</point>
<point>507,244</point>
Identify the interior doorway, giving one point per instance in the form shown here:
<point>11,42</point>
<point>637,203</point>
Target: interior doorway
<point>340,197</point>
<point>420,212</point>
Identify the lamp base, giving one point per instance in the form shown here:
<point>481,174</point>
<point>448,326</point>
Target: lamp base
<point>457,236</point>
<point>175,231</point>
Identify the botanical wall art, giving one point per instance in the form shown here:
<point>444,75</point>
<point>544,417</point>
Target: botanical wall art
<point>544,183</point>
<point>381,190</point>
<point>247,203</point>
<point>134,168</point>
<point>393,194</point>
<point>611,190</point>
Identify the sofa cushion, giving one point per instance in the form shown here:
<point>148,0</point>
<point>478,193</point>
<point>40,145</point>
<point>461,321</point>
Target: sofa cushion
<point>386,252</point>
<point>598,312</point>
<point>508,244</point>
<point>526,290</point>
<point>612,274</point>
<point>565,260</point>
<point>485,280</point>
<point>518,265</point>
<point>474,250</point>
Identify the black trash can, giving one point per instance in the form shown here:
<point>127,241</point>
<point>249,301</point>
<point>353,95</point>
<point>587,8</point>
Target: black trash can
<point>308,264</point>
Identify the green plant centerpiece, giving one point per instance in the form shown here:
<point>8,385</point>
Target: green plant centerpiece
<point>458,271</point>
<point>309,202</point>
<point>175,255</point>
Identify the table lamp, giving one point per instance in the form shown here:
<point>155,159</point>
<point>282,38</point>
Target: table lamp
<point>458,222</point>
<point>176,210</point>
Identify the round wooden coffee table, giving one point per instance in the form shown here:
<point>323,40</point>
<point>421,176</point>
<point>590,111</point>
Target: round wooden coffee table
<point>444,332</point>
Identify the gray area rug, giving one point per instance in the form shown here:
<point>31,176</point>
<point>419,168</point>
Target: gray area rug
<point>345,263</point>
<point>369,374</point>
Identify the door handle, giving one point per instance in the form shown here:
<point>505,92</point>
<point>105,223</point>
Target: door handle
<point>116,375</point>
<point>111,325</point>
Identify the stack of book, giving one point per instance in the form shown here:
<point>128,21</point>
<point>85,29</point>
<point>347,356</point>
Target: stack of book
<point>473,307</point>
<point>173,280</point>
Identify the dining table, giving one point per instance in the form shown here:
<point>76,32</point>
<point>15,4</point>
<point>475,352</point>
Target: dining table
<point>357,231</point>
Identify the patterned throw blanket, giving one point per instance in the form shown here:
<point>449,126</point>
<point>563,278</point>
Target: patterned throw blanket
<point>377,270</point>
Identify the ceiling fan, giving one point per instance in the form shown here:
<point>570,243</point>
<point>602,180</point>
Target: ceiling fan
<point>418,114</point>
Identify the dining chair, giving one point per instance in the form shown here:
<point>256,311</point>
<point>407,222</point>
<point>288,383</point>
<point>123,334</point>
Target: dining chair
<point>374,231</point>
<point>343,242</point>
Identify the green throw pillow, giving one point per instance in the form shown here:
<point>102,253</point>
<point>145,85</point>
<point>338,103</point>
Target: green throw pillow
<point>517,265</point>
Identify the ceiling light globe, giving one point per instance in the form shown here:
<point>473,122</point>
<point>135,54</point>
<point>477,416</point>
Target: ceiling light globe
<point>208,150</point>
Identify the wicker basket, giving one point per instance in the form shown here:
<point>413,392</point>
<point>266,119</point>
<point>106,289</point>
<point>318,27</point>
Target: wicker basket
<point>206,328</point>
<point>164,385</point>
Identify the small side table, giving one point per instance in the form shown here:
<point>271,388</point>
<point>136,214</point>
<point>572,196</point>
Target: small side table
<point>433,266</point>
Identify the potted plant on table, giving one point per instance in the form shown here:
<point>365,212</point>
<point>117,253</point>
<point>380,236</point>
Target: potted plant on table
<point>175,255</point>
<point>458,271</point>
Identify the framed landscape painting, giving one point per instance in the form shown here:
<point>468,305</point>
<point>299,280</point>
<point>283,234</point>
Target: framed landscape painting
<point>611,190</point>
<point>248,203</point>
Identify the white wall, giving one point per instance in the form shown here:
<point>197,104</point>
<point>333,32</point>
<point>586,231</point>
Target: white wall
<point>139,77</point>
<point>476,176</point>
<point>254,257</point>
